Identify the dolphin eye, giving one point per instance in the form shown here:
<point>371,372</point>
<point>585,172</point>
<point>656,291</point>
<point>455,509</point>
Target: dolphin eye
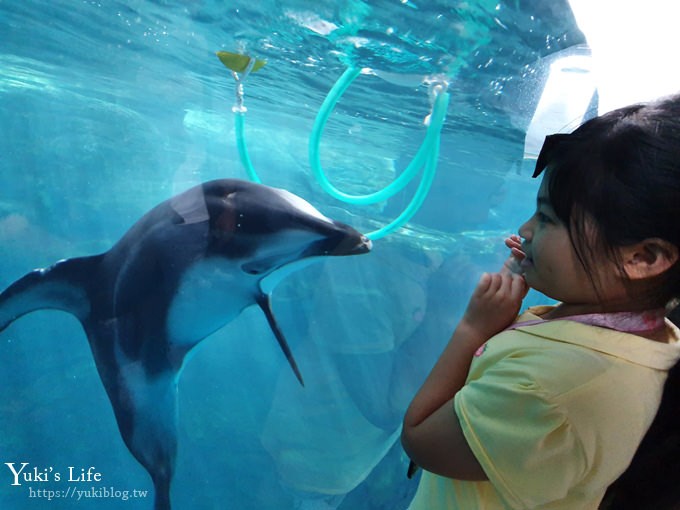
<point>254,268</point>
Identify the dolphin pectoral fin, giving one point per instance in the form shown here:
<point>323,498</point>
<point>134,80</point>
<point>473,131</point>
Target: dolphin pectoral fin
<point>265,304</point>
<point>60,287</point>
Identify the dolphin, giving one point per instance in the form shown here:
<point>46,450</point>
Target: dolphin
<point>182,271</point>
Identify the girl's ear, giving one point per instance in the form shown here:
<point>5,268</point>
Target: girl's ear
<point>649,258</point>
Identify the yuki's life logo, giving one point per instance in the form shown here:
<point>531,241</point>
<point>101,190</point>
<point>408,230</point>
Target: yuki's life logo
<point>27,474</point>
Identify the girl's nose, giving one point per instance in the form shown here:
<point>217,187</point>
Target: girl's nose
<point>525,230</point>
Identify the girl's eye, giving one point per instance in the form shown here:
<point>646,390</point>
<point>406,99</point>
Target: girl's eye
<point>542,217</point>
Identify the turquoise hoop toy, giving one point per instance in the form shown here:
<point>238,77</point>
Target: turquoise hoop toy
<point>426,157</point>
<point>243,150</point>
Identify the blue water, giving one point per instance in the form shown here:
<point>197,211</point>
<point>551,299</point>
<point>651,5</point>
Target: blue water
<point>107,108</point>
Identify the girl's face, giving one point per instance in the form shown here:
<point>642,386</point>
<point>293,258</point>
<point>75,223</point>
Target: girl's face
<point>552,266</point>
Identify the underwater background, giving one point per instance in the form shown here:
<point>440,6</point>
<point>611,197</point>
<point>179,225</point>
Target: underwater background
<point>109,107</point>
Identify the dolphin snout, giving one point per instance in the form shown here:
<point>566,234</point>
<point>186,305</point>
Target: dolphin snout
<point>364,246</point>
<point>353,244</point>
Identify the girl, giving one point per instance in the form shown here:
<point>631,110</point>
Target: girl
<point>546,410</point>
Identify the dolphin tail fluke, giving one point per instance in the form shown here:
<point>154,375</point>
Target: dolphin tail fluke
<point>265,304</point>
<point>61,287</point>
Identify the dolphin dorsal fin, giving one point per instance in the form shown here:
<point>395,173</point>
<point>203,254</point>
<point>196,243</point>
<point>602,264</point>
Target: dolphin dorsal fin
<point>60,287</point>
<point>264,300</point>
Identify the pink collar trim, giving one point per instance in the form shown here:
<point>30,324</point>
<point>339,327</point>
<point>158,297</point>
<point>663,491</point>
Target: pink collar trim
<point>626,322</point>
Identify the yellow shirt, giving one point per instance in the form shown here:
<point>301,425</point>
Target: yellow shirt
<point>553,413</point>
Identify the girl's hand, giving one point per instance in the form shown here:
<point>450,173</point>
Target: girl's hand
<point>512,265</point>
<point>494,304</point>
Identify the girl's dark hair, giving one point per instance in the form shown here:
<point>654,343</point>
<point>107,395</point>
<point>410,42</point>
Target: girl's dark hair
<point>620,172</point>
